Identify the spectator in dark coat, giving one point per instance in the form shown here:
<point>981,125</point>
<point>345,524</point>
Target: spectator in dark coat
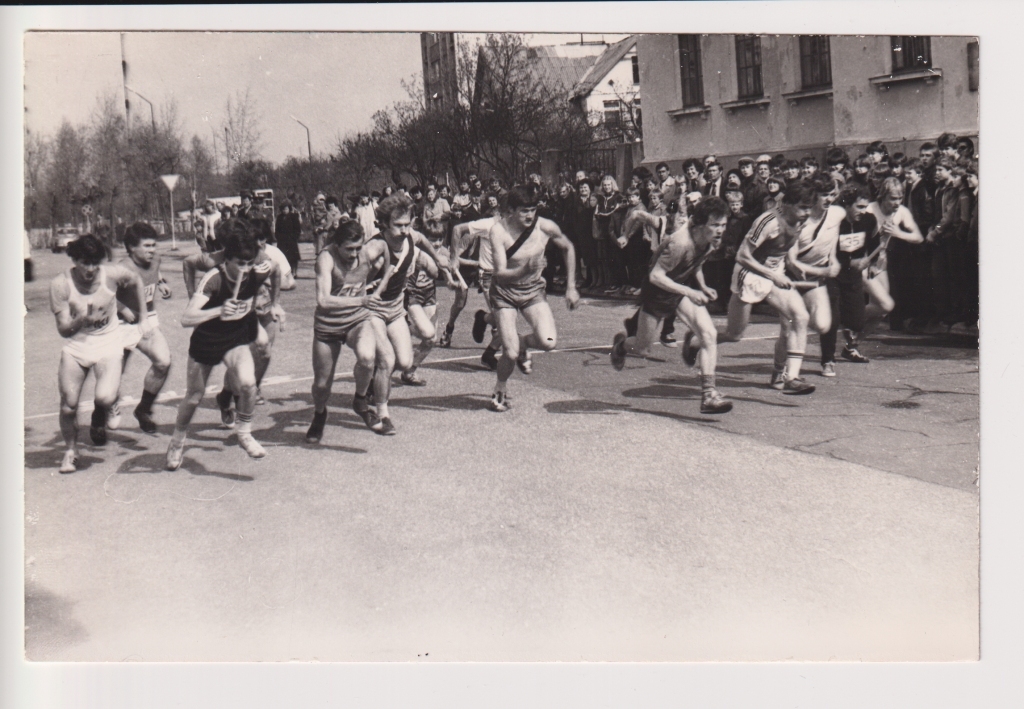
<point>288,229</point>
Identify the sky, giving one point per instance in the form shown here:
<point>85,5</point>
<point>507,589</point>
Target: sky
<point>332,82</point>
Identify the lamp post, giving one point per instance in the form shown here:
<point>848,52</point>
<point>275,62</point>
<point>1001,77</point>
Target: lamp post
<point>309,142</point>
<point>152,113</point>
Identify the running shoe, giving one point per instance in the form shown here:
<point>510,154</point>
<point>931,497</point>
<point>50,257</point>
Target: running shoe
<point>714,403</point>
<point>386,428</point>
<point>828,369</point>
<point>777,380</point>
<point>689,351</point>
<point>851,354</point>
<point>175,452</point>
<point>361,405</point>
<point>316,429</point>
<point>260,401</point>
<point>796,385</point>
<point>225,399</point>
<point>500,402</point>
<point>668,341</point>
<point>250,445</point>
<point>479,325</point>
<point>446,339</point>
<point>411,379</point>
<point>146,422</point>
<point>98,434</point>
<point>114,417</point>
<point>69,463</point>
<point>618,353</point>
<point>489,359</point>
<point>525,364</point>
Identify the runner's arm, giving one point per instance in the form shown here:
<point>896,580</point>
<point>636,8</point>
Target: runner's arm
<point>659,277</point>
<point>745,258</point>
<point>67,325</point>
<point>568,254</point>
<point>906,228</point>
<point>194,313</point>
<point>424,244</point>
<point>324,299</point>
<point>129,279</point>
<point>375,252</point>
<point>458,247</point>
<point>198,262</point>
<point>502,272</point>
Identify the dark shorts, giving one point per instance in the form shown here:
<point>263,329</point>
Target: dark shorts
<point>420,295</point>
<point>516,296</point>
<point>848,292</point>
<point>659,302</point>
<point>208,346</point>
<point>468,275</point>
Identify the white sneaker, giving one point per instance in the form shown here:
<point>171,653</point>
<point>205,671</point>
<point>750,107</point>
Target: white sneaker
<point>828,369</point>
<point>69,463</point>
<point>114,417</point>
<point>175,452</point>
<point>250,445</point>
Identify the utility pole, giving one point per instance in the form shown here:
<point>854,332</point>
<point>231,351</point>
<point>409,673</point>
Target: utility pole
<point>309,142</point>
<point>152,112</point>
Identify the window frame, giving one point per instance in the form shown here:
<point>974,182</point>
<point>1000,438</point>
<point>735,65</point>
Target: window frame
<point>691,70</point>
<point>815,54</point>
<point>898,54</point>
<point>749,77</point>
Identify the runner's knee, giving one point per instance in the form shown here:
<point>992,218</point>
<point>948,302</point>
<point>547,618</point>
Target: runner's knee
<point>547,343</point>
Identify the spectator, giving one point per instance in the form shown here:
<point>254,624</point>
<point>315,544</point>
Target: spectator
<point>947,145</point>
<point>948,255</point>
<point>838,161</point>
<point>288,229</point>
<point>718,271</point>
<point>366,215</point>
<point>608,218</point>
<point>776,186</point>
<point>206,234</point>
<point>583,229</point>
<point>462,198</point>
<point>694,179</point>
<point>808,167</point>
<point>965,149</point>
<point>636,246</point>
<point>667,185</point>
<point>791,171</point>
<point>861,171</point>
<point>435,215</point>
<point>713,180</point>
<point>733,180</point>
<point>777,164</point>
<point>876,152</point>
<point>246,209</point>
<point>910,264</point>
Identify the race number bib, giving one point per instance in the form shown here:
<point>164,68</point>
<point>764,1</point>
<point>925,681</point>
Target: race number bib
<point>852,242</point>
<point>244,306</point>
<point>150,292</point>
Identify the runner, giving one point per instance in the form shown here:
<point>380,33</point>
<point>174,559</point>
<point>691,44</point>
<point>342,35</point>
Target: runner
<point>392,255</point>
<point>222,311</point>
<point>140,241</point>
<point>421,308</point>
<point>270,319</point>
<point>84,303</point>
<point>519,239</point>
<point>342,318</point>
<point>676,285</point>
<point>894,221</point>
<point>465,250</point>
<point>472,241</point>
<point>759,275</point>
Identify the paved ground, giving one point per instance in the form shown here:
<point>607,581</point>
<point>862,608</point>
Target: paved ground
<point>603,518</point>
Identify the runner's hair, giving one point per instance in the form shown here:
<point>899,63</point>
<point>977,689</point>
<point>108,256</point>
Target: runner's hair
<point>800,192</point>
<point>395,205</point>
<point>347,232</point>
<point>87,249</point>
<point>521,196</point>
<point>137,233</point>
<point>239,239</point>
<point>707,208</point>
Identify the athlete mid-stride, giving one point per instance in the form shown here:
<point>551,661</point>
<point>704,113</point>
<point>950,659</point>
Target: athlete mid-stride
<point>675,286</point>
<point>140,240</point>
<point>223,315</point>
<point>519,239</point>
<point>84,303</point>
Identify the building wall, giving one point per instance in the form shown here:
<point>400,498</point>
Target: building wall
<point>439,48</point>
<point>856,113</point>
<point>621,87</point>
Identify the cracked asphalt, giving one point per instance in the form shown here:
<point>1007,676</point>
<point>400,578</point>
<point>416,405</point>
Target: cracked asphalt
<point>603,518</point>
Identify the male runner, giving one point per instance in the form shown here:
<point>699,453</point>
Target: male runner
<point>140,241</point>
<point>84,303</point>
<point>270,319</point>
<point>759,275</point>
<point>519,239</point>
<point>223,315</point>
<point>676,286</point>
<point>392,254</point>
<point>342,318</point>
<point>468,238</point>
<point>465,249</point>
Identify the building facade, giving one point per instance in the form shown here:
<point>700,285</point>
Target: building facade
<point>440,77</point>
<point>609,93</point>
<point>735,95</point>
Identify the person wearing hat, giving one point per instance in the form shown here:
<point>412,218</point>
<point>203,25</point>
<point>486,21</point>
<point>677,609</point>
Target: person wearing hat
<point>287,229</point>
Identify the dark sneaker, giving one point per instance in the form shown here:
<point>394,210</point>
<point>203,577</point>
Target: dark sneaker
<point>797,386</point>
<point>225,401</point>
<point>668,341</point>
<point>714,403</point>
<point>412,380</point>
<point>446,338</point>
<point>851,354</point>
<point>479,325</point>
<point>98,434</point>
<point>618,353</point>
<point>386,428</point>
<point>146,422</point>
<point>500,402</point>
<point>489,359</point>
<point>362,408</point>
<point>525,365</point>
<point>689,351</point>
<point>777,381</point>
<point>316,429</point>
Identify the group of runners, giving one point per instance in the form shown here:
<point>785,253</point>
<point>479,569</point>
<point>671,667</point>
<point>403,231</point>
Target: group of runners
<point>813,258</point>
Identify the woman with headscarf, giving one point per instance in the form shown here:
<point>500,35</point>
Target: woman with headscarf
<point>288,229</point>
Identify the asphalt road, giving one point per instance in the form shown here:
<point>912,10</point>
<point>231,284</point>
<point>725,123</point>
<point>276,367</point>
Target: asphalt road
<point>603,518</point>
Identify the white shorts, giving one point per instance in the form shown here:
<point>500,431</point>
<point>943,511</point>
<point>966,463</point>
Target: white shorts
<point>131,333</point>
<point>96,348</point>
<point>752,287</point>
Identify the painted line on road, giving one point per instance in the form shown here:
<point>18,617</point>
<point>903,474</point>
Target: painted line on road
<point>166,396</point>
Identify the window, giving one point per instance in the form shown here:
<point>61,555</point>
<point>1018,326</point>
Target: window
<point>815,62</point>
<point>636,69</point>
<point>690,70</point>
<point>748,67</point>
<point>911,54</point>
<point>612,113</point>
<point>972,66</point>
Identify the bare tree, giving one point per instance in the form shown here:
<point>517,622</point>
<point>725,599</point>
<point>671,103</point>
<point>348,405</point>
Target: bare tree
<point>241,130</point>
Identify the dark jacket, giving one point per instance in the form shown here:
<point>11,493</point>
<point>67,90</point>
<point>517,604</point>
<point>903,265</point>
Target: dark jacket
<point>920,200</point>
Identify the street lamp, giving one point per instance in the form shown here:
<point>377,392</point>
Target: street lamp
<point>309,143</point>
<point>152,113</point>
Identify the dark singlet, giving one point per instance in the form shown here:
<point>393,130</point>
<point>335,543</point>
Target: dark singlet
<point>682,273</point>
<point>149,276</point>
<point>400,275</point>
<point>219,289</point>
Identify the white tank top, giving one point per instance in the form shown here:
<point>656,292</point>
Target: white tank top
<point>102,301</point>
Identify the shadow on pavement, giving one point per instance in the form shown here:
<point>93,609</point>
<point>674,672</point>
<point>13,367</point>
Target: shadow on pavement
<point>460,402</point>
<point>457,367</point>
<point>41,460</point>
<point>155,462</point>
<point>591,406</point>
<point>49,623</point>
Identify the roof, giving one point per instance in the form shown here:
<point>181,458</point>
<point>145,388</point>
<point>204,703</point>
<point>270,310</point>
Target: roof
<point>557,70</point>
<point>600,69</point>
